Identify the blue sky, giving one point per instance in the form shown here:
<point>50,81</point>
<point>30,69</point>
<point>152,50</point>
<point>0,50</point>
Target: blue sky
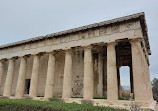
<point>24,19</point>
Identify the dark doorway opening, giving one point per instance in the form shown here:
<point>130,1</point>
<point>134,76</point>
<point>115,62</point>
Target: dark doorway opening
<point>124,70</point>
<point>27,86</point>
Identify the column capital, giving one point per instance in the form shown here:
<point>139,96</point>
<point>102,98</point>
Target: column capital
<point>3,60</point>
<point>87,47</point>
<point>13,58</point>
<point>36,55</point>
<point>136,40</point>
<point>112,44</point>
<point>54,52</point>
<point>68,50</point>
<point>25,57</point>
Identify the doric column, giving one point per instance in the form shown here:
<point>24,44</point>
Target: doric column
<point>50,76</point>
<point>88,73</point>
<point>105,76</point>
<point>34,77</point>
<point>67,82</point>
<point>21,78</point>
<point>9,78</point>
<point>1,72</point>
<point>100,72</point>
<point>142,92</point>
<point>112,88</point>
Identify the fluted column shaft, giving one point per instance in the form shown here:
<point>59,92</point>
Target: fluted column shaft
<point>9,79</point>
<point>34,77</point>
<point>1,72</point>
<point>112,88</point>
<point>88,74</point>
<point>50,76</point>
<point>100,72</point>
<point>21,78</point>
<point>67,82</point>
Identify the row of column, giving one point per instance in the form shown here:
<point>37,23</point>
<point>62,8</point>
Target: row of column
<point>112,85</point>
<point>67,82</point>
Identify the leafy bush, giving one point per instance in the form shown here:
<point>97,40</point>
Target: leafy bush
<point>34,105</point>
<point>155,88</point>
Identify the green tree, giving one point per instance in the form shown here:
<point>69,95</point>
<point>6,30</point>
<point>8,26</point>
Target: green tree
<point>155,88</point>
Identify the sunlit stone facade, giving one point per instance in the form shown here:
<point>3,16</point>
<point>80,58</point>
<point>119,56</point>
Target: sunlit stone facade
<point>82,62</point>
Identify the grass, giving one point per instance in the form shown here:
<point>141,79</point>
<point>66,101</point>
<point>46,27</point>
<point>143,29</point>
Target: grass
<point>124,98</point>
<point>93,98</point>
<point>76,97</point>
<point>34,105</point>
<point>120,98</point>
<point>101,98</point>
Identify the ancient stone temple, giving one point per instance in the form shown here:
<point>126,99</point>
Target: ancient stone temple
<point>82,62</point>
